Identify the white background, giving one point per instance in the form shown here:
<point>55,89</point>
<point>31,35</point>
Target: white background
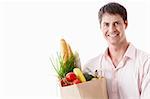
<point>30,34</point>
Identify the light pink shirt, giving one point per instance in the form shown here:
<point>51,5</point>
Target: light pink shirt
<point>130,79</point>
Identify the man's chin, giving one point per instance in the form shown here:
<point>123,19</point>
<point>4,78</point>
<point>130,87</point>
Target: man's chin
<point>113,43</point>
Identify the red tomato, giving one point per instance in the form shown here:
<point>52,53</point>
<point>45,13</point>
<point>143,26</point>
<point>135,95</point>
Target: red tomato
<point>76,81</point>
<point>71,77</point>
<point>63,82</point>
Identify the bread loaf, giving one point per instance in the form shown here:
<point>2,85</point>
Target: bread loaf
<point>63,50</point>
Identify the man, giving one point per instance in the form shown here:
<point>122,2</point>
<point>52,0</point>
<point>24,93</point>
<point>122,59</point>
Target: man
<point>126,69</point>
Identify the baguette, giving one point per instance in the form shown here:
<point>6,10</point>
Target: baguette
<point>64,50</point>
<point>70,54</point>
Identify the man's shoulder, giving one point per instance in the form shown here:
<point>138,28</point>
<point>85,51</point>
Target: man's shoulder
<point>94,59</point>
<point>144,59</point>
<point>142,54</point>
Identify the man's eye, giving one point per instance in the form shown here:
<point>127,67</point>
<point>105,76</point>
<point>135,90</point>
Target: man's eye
<point>116,23</point>
<point>106,24</point>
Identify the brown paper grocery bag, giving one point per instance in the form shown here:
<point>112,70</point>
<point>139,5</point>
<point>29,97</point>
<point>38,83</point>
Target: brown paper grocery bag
<point>94,89</point>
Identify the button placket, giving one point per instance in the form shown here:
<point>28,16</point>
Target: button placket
<point>114,82</point>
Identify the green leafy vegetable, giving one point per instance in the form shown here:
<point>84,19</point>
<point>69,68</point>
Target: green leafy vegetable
<point>62,68</point>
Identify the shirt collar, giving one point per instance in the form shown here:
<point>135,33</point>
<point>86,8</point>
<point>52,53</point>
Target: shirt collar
<point>130,52</point>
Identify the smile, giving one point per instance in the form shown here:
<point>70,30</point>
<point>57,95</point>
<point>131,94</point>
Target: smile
<point>113,35</point>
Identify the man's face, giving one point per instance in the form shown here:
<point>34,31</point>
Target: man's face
<point>113,28</point>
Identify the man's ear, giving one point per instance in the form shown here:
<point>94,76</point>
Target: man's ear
<point>100,25</point>
<point>126,23</point>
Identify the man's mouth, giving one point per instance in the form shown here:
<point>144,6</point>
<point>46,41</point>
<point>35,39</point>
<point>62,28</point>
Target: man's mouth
<point>113,35</point>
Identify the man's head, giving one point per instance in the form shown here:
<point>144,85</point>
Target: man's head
<point>113,22</point>
<point>113,8</point>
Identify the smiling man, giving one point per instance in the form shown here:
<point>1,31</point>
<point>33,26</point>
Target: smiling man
<point>126,68</point>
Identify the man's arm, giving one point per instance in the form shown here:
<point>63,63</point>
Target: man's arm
<point>145,85</point>
<point>91,65</point>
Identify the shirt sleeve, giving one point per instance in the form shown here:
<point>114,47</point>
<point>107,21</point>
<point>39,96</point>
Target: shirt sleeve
<point>145,86</point>
<point>87,68</point>
<point>91,65</point>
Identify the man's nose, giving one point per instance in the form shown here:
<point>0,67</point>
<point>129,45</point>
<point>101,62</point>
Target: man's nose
<point>112,28</point>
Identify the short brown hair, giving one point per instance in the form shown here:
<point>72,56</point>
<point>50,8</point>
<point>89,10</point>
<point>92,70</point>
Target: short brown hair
<point>113,8</point>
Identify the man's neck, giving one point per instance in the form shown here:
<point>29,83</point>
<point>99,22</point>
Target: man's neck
<point>116,53</point>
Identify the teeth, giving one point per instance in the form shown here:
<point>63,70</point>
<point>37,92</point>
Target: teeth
<point>113,35</point>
